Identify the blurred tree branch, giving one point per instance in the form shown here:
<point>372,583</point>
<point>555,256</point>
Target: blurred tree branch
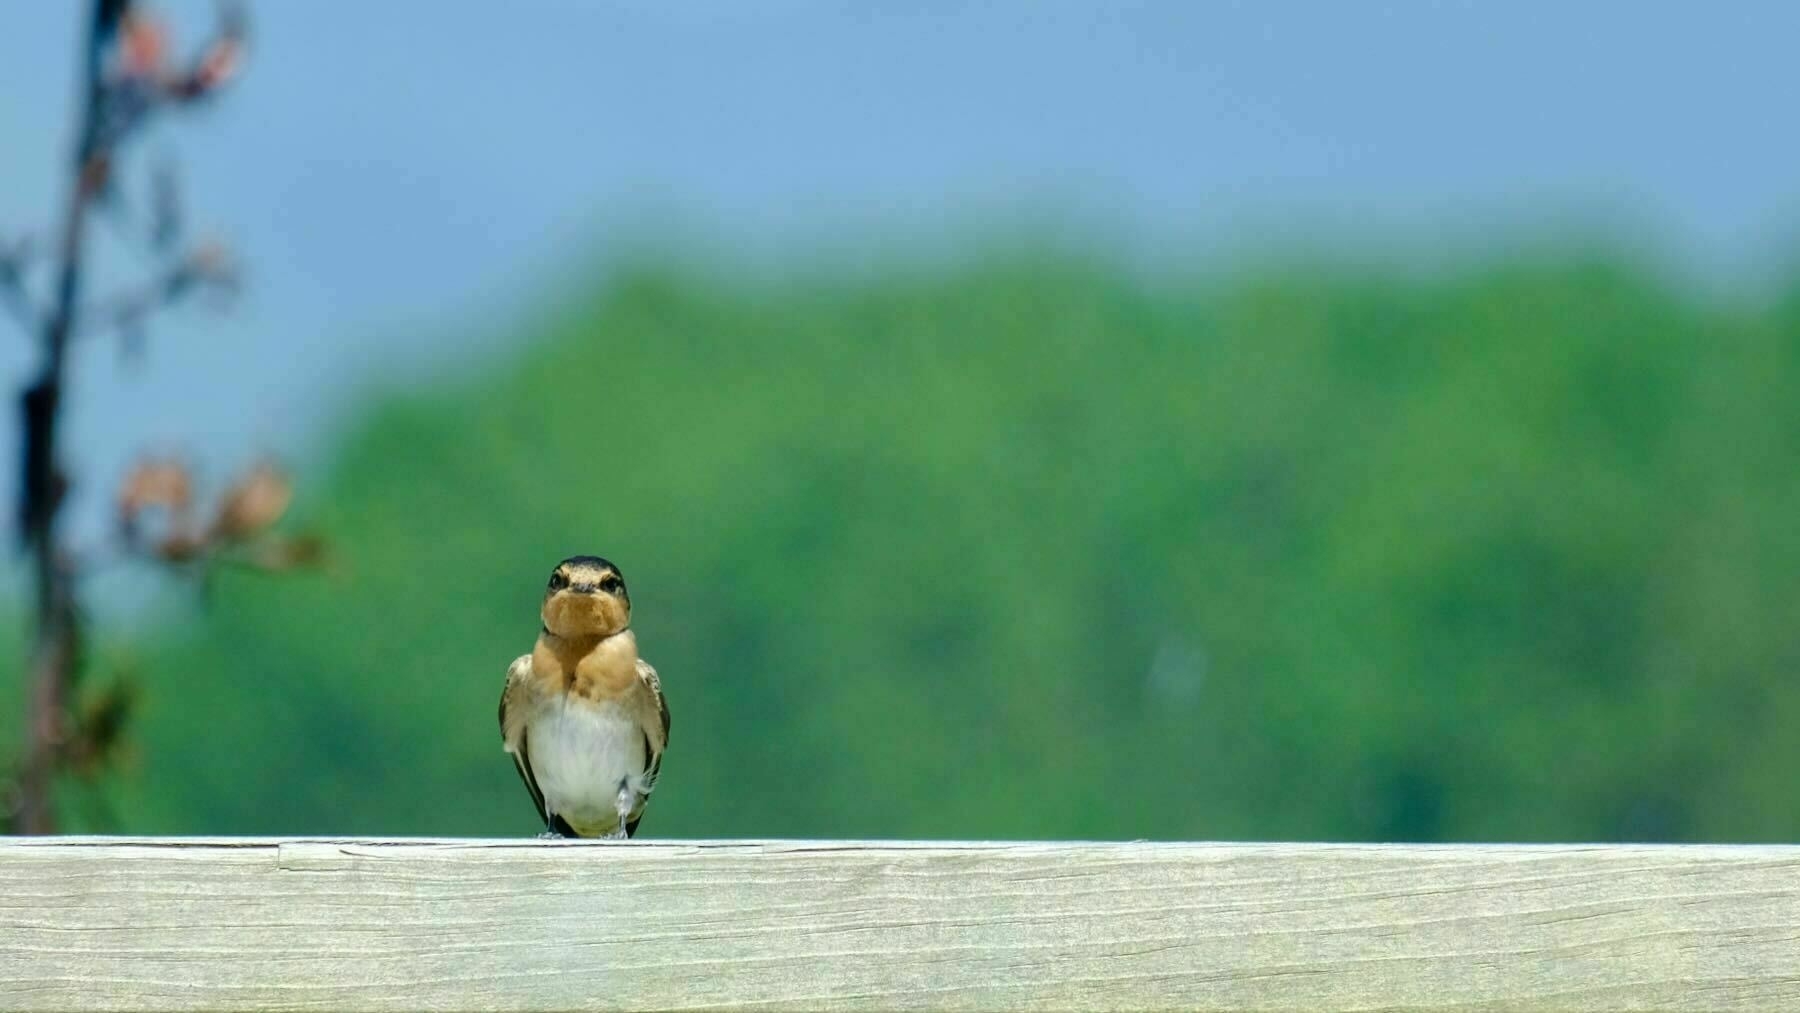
<point>128,78</point>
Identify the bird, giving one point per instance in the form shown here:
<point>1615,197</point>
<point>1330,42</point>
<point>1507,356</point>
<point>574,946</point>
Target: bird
<point>582,715</point>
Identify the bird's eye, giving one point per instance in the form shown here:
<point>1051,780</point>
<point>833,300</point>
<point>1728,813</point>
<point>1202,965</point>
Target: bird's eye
<point>559,580</point>
<point>611,584</point>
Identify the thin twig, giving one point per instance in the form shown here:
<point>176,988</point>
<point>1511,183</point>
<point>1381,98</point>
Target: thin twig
<point>13,260</point>
<point>127,80</point>
<point>206,267</point>
<point>18,303</point>
<point>56,646</point>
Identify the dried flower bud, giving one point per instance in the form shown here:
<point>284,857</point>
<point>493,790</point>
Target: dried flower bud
<point>253,505</point>
<point>180,547</point>
<point>154,484</point>
<point>219,65</point>
<point>210,261</point>
<point>143,45</point>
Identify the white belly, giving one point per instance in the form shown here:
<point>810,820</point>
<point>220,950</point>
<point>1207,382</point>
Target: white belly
<point>582,754</point>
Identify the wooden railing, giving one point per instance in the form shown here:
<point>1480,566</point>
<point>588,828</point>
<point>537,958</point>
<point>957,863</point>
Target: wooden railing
<point>257,924</point>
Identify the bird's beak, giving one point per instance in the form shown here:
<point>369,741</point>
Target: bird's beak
<point>584,588</point>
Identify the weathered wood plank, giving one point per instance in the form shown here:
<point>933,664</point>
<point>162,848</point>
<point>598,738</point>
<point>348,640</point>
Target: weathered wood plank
<point>252,924</point>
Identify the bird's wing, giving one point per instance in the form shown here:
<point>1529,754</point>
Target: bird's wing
<point>647,676</point>
<point>656,739</point>
<point>512,709</point>
<point>512,727</point>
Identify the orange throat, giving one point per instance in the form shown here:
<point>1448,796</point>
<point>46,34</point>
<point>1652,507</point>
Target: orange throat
<point>588,667</point>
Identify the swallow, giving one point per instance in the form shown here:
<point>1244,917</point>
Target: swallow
<point>583,715</point>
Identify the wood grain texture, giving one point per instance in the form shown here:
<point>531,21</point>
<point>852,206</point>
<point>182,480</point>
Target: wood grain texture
<point>255,924</point>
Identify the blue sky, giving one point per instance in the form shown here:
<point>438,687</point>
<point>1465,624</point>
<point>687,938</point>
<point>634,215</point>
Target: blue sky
<point>404,179</point>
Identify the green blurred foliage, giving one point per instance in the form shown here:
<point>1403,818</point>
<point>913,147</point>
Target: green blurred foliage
<point>1030,549</point>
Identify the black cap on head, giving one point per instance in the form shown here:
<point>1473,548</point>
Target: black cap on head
<point>593,561</point>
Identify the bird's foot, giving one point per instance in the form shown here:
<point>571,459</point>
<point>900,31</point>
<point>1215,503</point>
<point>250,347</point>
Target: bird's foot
<point>622,805</point>
<point>550,835</point>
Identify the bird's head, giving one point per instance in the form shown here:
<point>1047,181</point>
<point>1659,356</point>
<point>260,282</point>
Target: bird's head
<point>586,597</point>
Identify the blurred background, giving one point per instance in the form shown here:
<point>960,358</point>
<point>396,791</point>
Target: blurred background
<point>1022,419</point>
